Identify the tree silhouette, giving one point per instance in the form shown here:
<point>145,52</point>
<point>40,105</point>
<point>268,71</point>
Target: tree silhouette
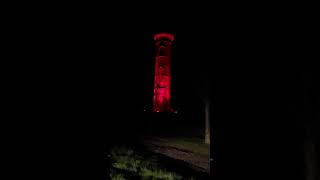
<point>203,89</point>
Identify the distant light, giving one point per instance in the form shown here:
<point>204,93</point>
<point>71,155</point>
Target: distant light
<point>157,111</point>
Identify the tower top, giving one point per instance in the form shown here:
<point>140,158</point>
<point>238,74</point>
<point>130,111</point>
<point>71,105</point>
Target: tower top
<point>163,36</point>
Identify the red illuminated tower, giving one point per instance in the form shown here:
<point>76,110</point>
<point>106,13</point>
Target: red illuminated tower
<point>162,77</point>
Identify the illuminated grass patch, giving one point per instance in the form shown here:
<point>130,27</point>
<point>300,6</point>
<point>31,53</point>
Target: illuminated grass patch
<point>126,163</point>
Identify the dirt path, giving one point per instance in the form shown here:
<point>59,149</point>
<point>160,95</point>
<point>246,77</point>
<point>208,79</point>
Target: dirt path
<point>195,161</point>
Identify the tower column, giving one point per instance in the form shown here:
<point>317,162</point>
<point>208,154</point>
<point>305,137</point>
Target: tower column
<point>162,77</point>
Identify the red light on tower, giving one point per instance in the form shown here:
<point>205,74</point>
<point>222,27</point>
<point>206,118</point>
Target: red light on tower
<point>162,77</point>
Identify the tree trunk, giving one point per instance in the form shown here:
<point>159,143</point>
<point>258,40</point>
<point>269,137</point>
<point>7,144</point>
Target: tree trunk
<point>310,157</point>
<point>207,122</point>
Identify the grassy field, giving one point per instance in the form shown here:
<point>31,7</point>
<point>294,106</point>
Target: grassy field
<point>127,164</point>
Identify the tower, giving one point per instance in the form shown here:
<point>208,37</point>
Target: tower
<point>162,76</point>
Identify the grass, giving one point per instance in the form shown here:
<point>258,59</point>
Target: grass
<point>126,163</point>
<point>195,145</point>
<point>118,177</point>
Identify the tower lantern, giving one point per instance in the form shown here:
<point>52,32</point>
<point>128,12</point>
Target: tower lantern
<point>162,76</point>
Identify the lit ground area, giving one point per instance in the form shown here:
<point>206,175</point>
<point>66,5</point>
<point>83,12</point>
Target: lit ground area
<point>161,158</point>
<point>129,164</point>
<point>193,151</point>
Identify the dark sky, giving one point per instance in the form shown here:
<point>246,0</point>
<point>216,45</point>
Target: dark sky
<point>112,58</point>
